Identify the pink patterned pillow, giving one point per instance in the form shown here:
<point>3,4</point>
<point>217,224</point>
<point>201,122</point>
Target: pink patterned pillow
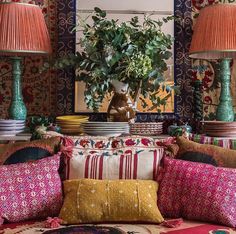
<point>30,190</point>
<point>197,191</point>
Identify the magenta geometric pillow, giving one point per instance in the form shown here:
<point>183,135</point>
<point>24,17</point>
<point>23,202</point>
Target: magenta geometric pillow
<point>30,190</point>
<point>197,191</point>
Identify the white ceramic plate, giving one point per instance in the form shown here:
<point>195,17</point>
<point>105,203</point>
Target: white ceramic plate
<point>11,128</point>
<point>107,123</point>
<point>108,128</point>
<point>11,121</point>
<point>12,125</point>
<point>104,134</point>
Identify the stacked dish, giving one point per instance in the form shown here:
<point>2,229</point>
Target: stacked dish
<point>71,124</point>
<point>219,128</point>
<point>11,127</point>
<point>146,129</point>
<point>105,128</point>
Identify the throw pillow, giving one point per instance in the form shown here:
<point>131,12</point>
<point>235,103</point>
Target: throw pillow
<point>222,142</point>
<point>95,201</point>
<point>30,190</point>
<point>218,156</point>
<point>129,164</point>
<point>20,152</point>
<point>197,191</point>
<point>86,145</point>
<point>89,157</point>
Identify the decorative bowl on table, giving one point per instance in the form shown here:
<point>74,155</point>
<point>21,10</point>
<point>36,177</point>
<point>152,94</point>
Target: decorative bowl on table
<point>105,128</point>
<point>71,124</point>
<point>147,128</point>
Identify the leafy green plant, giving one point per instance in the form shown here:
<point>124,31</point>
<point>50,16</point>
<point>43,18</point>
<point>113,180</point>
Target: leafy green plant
<point>130,52</point>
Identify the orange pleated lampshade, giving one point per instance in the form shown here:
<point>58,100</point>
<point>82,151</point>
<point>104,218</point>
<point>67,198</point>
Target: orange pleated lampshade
<point>23,30</point>
<point>214,35</point>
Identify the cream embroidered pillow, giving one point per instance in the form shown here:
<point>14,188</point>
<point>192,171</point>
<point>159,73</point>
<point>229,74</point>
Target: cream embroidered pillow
<point>92,201</point>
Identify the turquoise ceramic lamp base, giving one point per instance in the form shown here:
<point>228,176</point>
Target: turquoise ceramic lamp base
<point>225,111</point>
<point>17,109</point>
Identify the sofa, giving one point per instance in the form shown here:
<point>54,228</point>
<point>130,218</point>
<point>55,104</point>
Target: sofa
<point>129,184</point>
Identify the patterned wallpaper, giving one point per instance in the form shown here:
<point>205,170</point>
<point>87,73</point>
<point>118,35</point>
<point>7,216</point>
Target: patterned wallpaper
<point>183,33</point>
<point>66,45</point>
<point>51,93</point>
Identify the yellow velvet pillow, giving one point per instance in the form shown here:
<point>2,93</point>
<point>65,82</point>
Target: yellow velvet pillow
<point>94,201</point>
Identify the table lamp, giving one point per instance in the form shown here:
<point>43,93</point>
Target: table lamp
<point>214,37</point>
<point>23,33</point>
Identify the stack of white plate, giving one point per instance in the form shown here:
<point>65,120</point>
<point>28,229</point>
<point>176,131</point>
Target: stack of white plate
<point>11,127</point>
<point>105,128</point>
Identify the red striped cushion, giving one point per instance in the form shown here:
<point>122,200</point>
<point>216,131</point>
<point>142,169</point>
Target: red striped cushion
<point>127,164</point>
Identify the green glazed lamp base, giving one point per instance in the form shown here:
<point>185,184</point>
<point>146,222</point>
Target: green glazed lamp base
<point>225,111</point>
<point>17,109</point>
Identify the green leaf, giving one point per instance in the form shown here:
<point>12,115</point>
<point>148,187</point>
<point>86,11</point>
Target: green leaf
<point>152,74</point>
<point>156,84</point>
<point>134,21</point>
<point>159,23</point>
<point>115,58</point>
<point>95,18</point>
<point>168,88</point>
<point>167,55</point>
<point>103,14</point>
<point>97,10</point>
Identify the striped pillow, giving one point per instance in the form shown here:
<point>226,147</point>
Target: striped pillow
<point>222,142</point>
<point>129,164</point>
